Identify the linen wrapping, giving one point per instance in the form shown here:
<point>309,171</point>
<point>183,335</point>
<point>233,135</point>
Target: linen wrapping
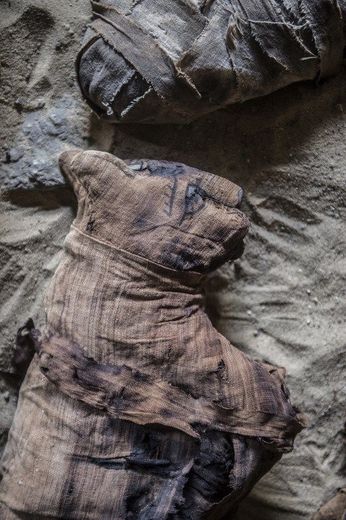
<point>134,406</point>
<point>152,61</point>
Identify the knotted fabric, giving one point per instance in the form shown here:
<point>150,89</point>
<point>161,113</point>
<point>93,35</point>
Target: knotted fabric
<point>152,61</point>
<point>135,407</point>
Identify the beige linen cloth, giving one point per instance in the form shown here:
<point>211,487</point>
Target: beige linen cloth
<point>334,509</point>
<point>155,61</point>
<point>134,406</point>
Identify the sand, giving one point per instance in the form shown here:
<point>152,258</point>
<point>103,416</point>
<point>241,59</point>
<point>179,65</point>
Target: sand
<point>284,301</point>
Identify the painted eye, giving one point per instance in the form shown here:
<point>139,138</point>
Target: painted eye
<point>194,199</point>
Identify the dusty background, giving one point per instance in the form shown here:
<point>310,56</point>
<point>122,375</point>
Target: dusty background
<point>284,301</point>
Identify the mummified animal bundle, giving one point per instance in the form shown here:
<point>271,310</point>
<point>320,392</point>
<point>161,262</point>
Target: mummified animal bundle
<point>135,407</point>
<point>158,61</point>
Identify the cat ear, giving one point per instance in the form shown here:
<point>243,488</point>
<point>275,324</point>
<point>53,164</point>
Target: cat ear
<point>87,172</point>
<point>68,167</point>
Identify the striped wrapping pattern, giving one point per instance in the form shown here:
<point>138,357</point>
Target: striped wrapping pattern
<point>135,407</point>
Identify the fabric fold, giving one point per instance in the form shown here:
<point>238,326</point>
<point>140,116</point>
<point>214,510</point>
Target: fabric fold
<point>132,389</point>
<point>189,59</point>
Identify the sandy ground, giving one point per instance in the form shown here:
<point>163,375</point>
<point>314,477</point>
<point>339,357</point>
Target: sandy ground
<point>284,301</point>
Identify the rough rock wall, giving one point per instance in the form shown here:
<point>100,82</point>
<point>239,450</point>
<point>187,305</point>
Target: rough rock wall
<point>284,301</point>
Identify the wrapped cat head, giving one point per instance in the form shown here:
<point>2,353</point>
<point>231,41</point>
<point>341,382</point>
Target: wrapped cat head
<point>171,214</point>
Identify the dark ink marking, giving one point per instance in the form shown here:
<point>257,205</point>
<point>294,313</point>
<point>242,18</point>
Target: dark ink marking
<point>173,190</point>
<point>195,198</point>
<point>162,169</point>
<point>90,225</point>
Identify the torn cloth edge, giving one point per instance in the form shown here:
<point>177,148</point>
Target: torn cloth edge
<point>129,394</point>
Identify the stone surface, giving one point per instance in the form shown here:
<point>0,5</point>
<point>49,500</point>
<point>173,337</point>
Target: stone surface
<point>40,106</point>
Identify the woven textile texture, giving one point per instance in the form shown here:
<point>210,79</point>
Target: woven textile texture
<point>158,61</point>
<point>134,406</point>
<point>334,509</point>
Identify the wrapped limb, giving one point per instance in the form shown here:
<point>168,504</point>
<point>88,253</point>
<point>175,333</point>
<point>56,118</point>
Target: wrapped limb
<point>134,406</point>
<point>334,509</point>
<point>152,61</point>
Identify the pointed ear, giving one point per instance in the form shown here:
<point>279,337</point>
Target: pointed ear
<point>67,160</point>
